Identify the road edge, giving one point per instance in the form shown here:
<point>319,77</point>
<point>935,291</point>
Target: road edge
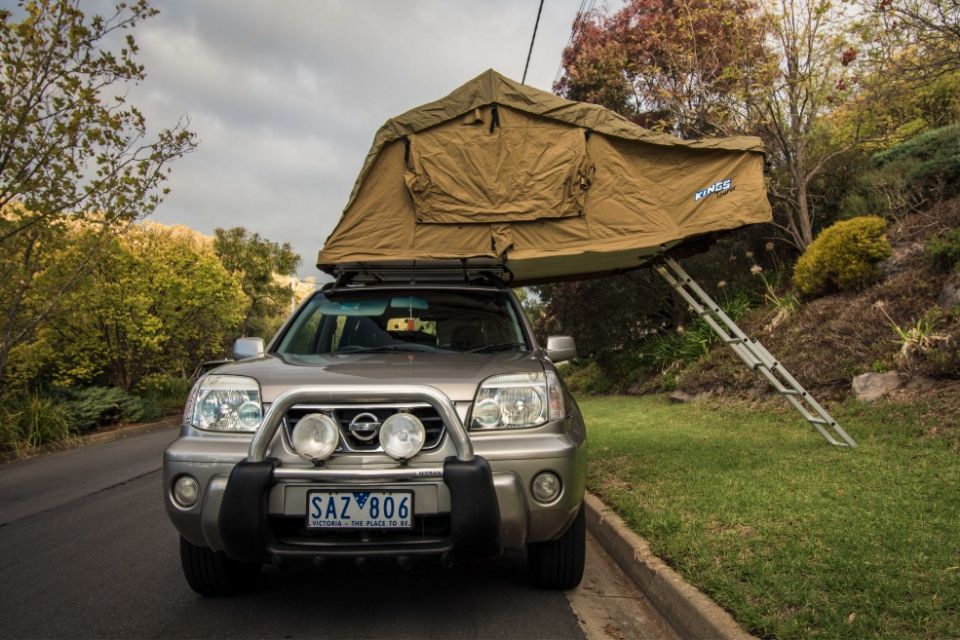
<point>687,609</point>
<point>100,437</point>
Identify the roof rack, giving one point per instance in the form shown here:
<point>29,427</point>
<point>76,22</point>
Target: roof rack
<point>484,272</point>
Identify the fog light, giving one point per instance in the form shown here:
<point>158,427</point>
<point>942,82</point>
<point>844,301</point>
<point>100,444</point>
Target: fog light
<point>315,437</point>
<point>546,486</point>
<point>186,491</point>
<point>402,436</point>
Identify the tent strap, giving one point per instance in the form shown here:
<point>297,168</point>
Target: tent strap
<point>753,354</point>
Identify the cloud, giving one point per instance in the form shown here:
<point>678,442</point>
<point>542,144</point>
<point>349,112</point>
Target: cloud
<point>286,96</point>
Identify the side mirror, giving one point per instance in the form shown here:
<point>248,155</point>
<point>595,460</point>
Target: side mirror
<point>560,348</point>
<point>247,348</point>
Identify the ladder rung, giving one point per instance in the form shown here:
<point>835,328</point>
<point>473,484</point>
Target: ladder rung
<point>751,351</point>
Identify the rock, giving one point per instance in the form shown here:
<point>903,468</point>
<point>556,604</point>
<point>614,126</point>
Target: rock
<point>681,396</point>
<point>950,294</point>
<point>920,384</point>
<point>902,252</point>
<point>873,386</point>
<point>758,390</point>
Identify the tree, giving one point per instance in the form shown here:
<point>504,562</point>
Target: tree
<point>690,67</point>
<point>918,38</point>
<point>157,302</point>
<point>817,72</point>
<point>261,266</point>
<point>71,148</point>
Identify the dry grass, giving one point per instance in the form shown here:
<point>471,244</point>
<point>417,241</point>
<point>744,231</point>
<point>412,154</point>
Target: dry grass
<point>829,340</point>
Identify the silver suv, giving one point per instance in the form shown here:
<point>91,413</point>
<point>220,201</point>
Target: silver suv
<point>415,421</point>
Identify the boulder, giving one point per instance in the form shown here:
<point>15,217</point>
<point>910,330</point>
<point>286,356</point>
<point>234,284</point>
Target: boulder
<point>869,387</point>
<point>681,396</point>
<point>900,256</point>
<point>950,294</point>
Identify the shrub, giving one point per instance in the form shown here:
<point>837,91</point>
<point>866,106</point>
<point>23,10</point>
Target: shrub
<point>163,395</point>
<point>32,420</point>
<point>96,406</point>
<point>586,377</point>
<point>908,175</point>
<point>944,252</point>
<point>843,256</point>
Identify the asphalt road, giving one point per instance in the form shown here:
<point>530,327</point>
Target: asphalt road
<point>86,551</point>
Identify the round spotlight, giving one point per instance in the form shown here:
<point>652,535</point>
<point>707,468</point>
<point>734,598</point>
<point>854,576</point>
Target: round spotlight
<point>402,436</point>
<point>186,491</point>
<point>315,437</point>
<point>546,487</point>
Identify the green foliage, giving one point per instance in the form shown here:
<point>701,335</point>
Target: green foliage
<point>93,407</point>
<point>923,169</point>
<point>944,252</point>
<point>843,256</point>
<point>163,395</point>
<point>261,266</point>
<point>688,343</point>
<point>158,302</point>
<point>585,377</point>
<point>32,420</point>
<point>72,150</point>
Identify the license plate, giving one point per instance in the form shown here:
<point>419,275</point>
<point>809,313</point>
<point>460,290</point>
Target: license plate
<point>360,510</point>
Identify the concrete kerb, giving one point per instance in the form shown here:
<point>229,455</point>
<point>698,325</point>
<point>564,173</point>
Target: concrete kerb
<point>691,613</point>
<point>94,438</point>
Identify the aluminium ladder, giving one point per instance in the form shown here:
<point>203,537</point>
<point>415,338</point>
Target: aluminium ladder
<point>754,354</point>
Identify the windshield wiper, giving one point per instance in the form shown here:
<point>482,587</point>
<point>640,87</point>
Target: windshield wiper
<point>501,346</point>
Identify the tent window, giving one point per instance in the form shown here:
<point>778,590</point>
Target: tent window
<point>459,174</point>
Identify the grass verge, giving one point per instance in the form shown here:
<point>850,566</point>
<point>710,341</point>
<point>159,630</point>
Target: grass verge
<point>796,538</point>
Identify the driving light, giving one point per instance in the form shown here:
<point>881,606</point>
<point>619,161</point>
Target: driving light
<point>186,491</point>
<point>546,487</point>
<point>315,437</point>
<point>225,403</point>
<point>517,400</point>
<point>402,436</point>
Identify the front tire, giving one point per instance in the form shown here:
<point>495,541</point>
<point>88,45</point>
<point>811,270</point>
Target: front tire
<point>558,564</point>
<point>212,573</point>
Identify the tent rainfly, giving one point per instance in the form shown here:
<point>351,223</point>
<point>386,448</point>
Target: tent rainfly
<point>549,188</point>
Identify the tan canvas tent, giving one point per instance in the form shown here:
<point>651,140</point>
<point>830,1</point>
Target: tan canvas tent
<point>550,188</point>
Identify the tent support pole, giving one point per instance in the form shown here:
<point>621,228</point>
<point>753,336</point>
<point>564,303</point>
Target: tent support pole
<point>753,354</point>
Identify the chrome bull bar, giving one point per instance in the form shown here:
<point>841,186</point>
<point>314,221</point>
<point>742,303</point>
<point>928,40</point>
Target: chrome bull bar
<point>264,436</point>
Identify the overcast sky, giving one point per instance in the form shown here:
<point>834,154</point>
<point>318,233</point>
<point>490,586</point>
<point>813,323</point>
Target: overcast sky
<point>286,96</point>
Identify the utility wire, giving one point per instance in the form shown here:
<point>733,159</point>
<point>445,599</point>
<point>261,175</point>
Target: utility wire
<point>583,11</point>
<point>532,38</point>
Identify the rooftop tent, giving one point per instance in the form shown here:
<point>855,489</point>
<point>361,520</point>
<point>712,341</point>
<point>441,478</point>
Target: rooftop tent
<point>553,189</point>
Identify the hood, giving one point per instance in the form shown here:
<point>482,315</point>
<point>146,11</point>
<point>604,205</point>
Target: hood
<point>456,374</point>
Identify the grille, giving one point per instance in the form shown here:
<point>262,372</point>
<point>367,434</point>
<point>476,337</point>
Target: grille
<point>343,415</point>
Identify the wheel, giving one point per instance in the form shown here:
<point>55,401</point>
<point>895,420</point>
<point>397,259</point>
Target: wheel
<point>212,573</point>
<point>558,564</point>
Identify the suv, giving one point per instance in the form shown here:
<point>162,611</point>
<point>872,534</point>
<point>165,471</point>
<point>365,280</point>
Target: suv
<point>407,420</point>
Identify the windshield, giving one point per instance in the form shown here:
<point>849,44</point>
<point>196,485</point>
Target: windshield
<point>359,321</point>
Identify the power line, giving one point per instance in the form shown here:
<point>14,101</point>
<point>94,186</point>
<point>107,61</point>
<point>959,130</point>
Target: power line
<point>584,10</point>
<point>532,38</point>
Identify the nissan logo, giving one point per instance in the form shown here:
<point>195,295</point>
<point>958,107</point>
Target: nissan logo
<point>364,427</point>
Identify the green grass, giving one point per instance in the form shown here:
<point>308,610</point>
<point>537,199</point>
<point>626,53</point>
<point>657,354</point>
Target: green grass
<point>796,538</point>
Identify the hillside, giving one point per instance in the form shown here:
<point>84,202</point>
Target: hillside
<point>906,324</point>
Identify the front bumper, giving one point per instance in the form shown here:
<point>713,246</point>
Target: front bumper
<point>471,494</point>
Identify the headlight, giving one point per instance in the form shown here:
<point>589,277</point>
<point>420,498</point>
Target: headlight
<point>402,436</point>
<point>226,403</point>
<point>517,400</point>
<point>315,437</point>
